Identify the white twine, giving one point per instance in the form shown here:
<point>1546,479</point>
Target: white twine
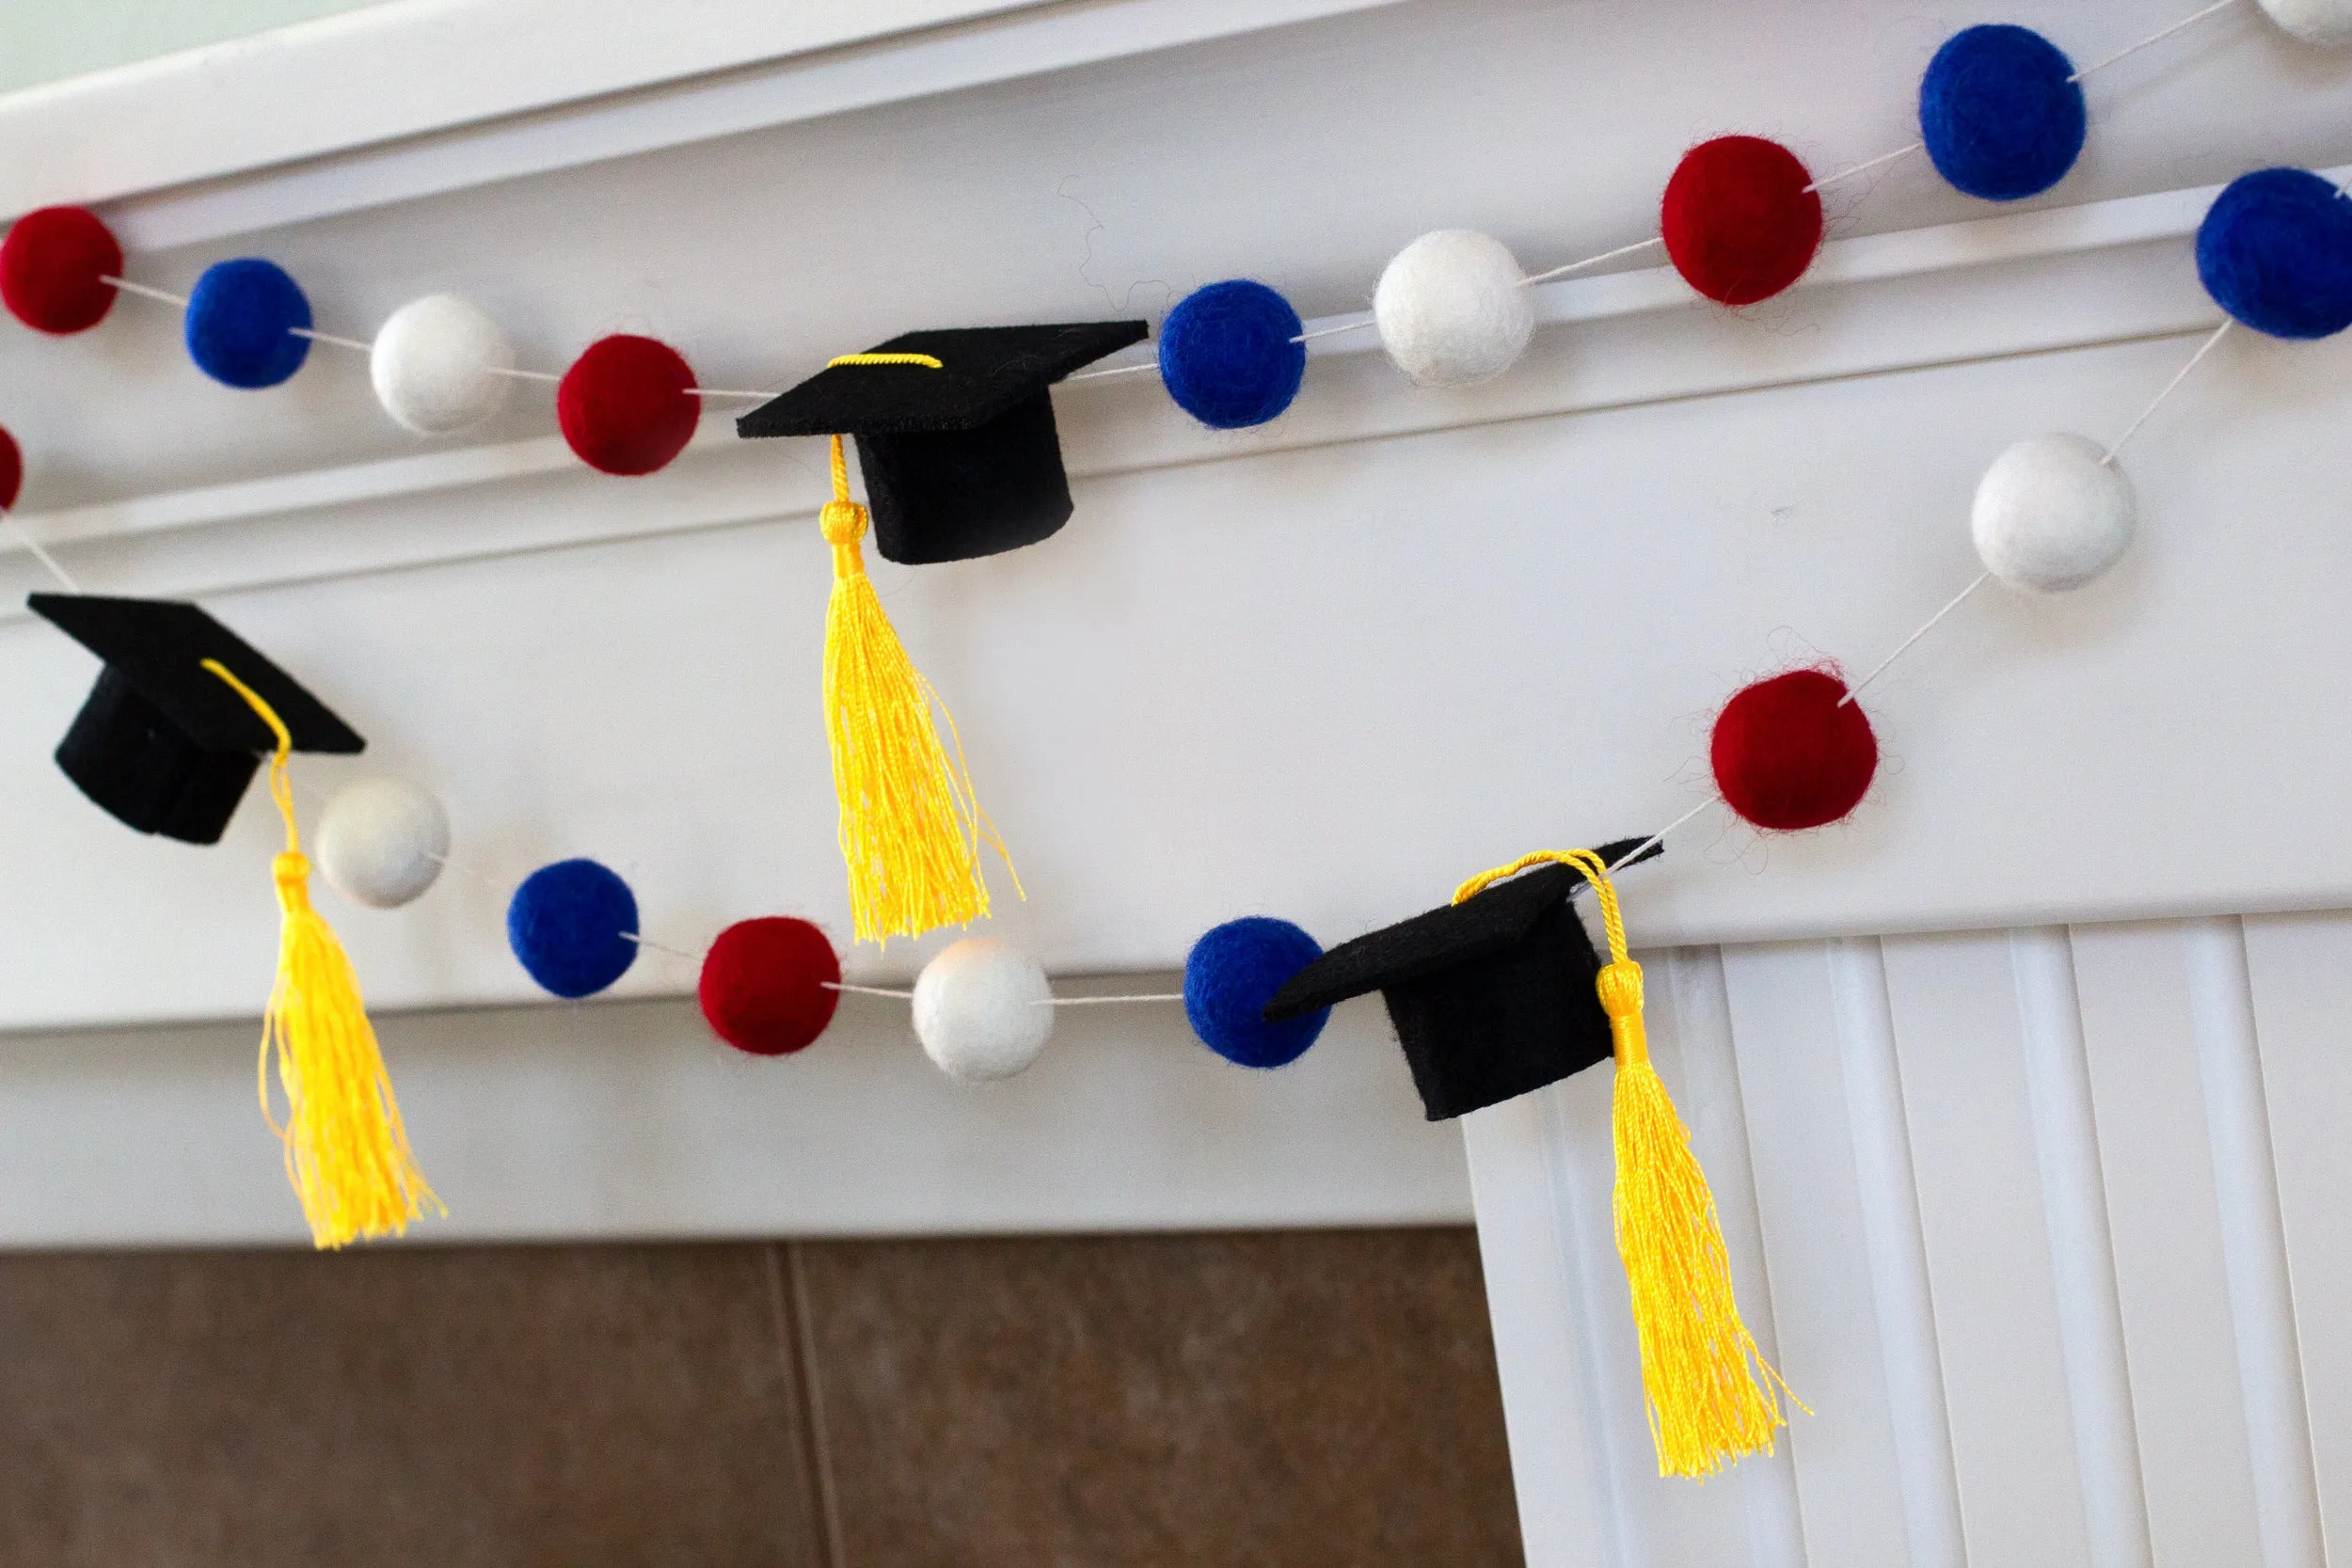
<point>144,292</point>
<point>1660,836</point>
<point>352,343</point>
<point>1593,261</point>
<point>660,947</point>
<point>2169,388</point>
<point>24,537</point>
<point>2158,37</point>
<point>1828,180</point>
<point>1150,365</point>
<point>1905,647</point>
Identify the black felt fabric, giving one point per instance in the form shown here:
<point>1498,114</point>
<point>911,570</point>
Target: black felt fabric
<point>957,495</point>
<point>1490,998</point>
<point>962,461</point>
<point>161,743</point>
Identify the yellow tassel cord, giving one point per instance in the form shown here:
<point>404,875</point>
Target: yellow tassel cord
<point>910,828</point>
<point>346,1151</point>
<point>1712,1396</point>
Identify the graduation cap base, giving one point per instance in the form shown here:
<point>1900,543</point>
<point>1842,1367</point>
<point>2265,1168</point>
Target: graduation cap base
<point>1002,484</point>
<point>1492,998</point>
<point>127,757</point>
<point>159,743</point>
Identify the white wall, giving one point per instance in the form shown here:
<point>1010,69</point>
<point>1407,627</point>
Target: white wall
<point>49,40</point>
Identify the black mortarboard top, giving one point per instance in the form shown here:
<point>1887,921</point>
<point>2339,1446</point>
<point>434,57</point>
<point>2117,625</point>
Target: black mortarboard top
<point>960,461</point>
<point>1491,997</point>
<point>162,743</point>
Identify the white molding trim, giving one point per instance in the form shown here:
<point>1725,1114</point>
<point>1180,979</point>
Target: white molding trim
<point>2069,278</point>
<point>433,96</point>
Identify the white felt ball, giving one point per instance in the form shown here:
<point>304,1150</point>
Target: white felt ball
<point>1450,309</point>
<point>2050,516</point>
<point>382,841</point>
<point>436,365</point>
<point>2325,23</point>
<point>979,1009</point>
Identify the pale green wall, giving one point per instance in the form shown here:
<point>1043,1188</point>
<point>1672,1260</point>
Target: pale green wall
<point>46,40</point>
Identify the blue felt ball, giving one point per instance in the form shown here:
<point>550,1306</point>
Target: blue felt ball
<point>566,924</point>
<point>1226,353</point>
<point>241,320</point>
<point>2275,251</point>
<point>1232,973</point>
<point>2001,113</point>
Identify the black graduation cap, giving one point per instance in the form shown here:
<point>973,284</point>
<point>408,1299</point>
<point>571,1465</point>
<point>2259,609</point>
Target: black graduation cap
<point>960,461</point>
<point>162,743</point>
<point>1491,997</point>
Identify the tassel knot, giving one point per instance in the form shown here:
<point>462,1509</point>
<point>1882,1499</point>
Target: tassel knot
<point>1621,990</point>
<point>290,870</point>
<point>843,522</point>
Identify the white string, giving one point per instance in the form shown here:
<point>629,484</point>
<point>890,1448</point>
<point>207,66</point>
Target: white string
<point>726,392</point>
<point>1905,647</point>
<point>523,375</point>
<point>1593,261</point>
<point>660,947</point>
<point>1335,331</point>
<point>2154,37</point>
<point>144,292</point>
<point>24,536</point>
<point>353,343</point>
<point>1092,1001</point>
<point>1660,836</point>
<point>1151,365</point>
<point>867,990</point>
<point>2169,388</point>
<point>1828,180</point>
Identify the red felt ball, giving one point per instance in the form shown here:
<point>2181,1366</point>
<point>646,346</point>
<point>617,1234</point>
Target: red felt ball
<point>11,471</point>
<point>1787,755</point>
<point>52,269</point>
<point>1738,223</point>
<point>625,404</point>
<point>766,985</point>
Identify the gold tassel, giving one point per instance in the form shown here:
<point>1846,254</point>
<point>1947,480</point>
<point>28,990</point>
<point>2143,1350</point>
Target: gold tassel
<point>911,830</point>
<point>346,1151</point>
<point>1711,1395</point>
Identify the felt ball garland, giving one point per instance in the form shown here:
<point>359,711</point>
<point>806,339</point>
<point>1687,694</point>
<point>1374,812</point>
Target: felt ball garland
<point>1452,308</point>
<point>569,924</point>
<point>2052,514</point>
<point>2325,23</point>
<point>2001,113</point>
<point>241,323</point>
<point>767,985</point>
<point>1790,752</point>
<point>436,365</point>
<point>1739,219</point>
<point>983,1009</point>
<point>54,266</point>
<point>11,470</point>
<point>627,406</point>
<point>1231,973</point>
<point>2275,251</point>
<point>383,842</point>
<point>1228,354</point>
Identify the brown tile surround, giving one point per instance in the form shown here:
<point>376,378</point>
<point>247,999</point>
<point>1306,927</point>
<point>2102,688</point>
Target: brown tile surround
<point>1301,1399</point>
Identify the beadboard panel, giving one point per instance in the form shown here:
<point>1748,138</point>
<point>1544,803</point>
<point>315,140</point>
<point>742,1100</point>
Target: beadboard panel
<point>2045,1224</point>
